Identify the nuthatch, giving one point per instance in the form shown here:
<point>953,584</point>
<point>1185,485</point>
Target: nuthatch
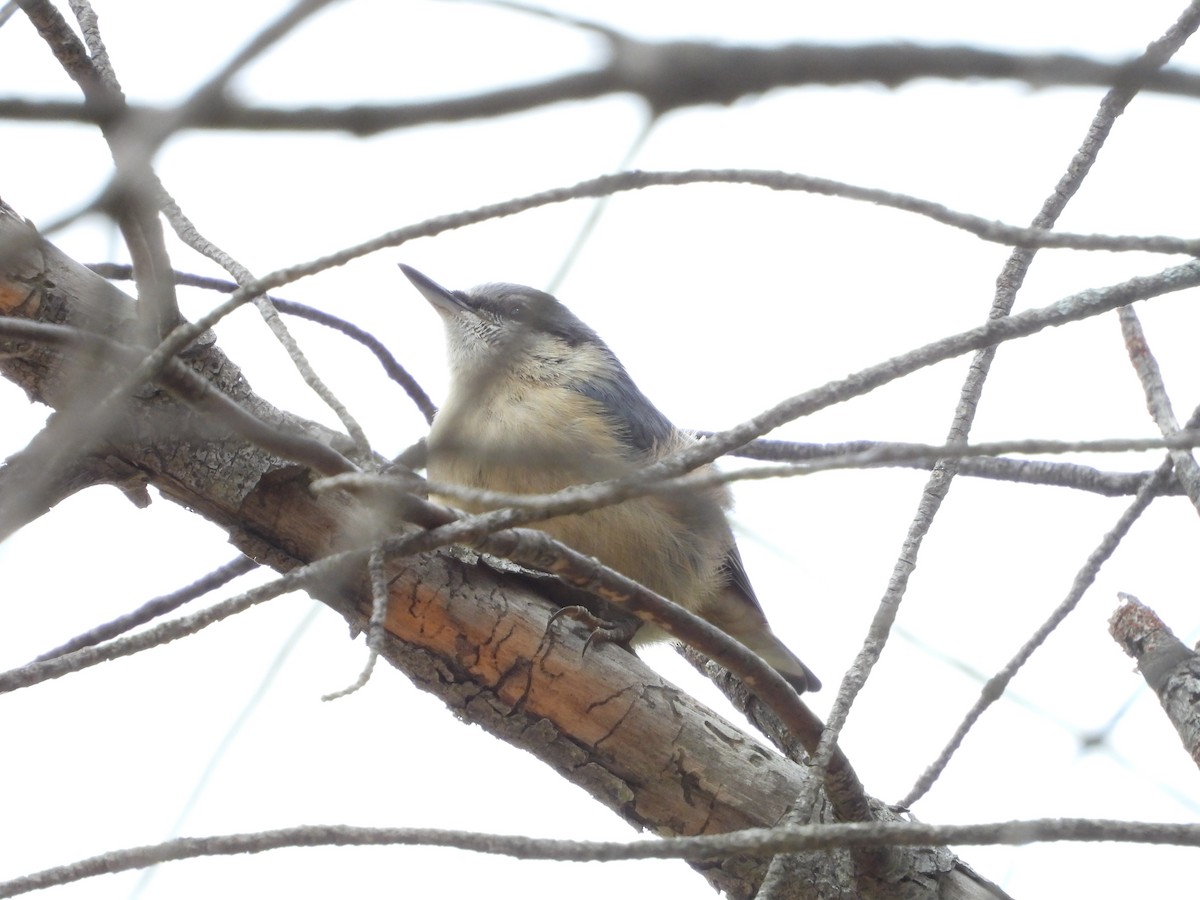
<point>537,402</point>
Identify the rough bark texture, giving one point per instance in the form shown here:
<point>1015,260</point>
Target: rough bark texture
<point>476,637</point>
<point>1170,667</point>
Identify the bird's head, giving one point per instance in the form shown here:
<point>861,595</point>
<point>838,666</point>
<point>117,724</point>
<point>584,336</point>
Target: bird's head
<point>503,330</point>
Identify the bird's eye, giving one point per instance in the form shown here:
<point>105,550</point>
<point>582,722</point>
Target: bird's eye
<point>519,311</point>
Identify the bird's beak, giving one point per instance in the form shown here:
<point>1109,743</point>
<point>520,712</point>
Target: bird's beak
<point>443,301</point>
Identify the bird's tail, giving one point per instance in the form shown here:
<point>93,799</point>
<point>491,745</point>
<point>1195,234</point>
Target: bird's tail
<point>786,663</point>
<point>745,621</point>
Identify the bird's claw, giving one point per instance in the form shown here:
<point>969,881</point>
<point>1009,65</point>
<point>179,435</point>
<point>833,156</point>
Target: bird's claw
<point>603,631</point>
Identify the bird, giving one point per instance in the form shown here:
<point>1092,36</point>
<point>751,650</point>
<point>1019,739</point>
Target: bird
<point>538,402</point>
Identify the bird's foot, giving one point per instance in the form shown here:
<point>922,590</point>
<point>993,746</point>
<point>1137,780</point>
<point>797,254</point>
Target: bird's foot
<point>603,630</point>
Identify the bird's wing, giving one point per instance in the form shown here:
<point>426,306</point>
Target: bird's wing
<point>644,429</point>
<point>739,581</point>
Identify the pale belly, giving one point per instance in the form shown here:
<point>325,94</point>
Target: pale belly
<point>672,545</point>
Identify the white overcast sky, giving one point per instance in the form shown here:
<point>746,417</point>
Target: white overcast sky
<point>721,301</point>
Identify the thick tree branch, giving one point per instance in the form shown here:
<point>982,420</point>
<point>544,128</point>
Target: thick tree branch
<point>667,75</point>
<point>190,387</point>
<point>1170,667</point>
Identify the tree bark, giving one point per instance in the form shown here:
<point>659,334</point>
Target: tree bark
<point>1170,667</point>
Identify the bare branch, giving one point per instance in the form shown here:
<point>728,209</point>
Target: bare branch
<point>749,841</point>
<point>1023,471</point>
<point>1170,667</point>
<point>1187,473</point>
<point>620,182</point>
<point>376,624</point>
<point>89,24</point>
<point>152,609</point>
<point>23,475</point>
<point>192,389</point>
<point>668,75</point>
<point>131,206</point>
<point>77,660</point>
<point>190,235</point>
<point>218,84</point>
<point>880,455</point>
<point>133,140</point>
<point>58,462</point>
<point>606,185</point>
<point>391,366</point>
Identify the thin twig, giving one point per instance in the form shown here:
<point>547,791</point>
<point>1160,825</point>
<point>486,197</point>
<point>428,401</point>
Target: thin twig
<point>89,25</point>
<point>395,371</point>
<point>1187,473</point>
<point>622,182</point>
<point>189,234</point>
<point>375,625</point>
<point>77,660</point>
<point>1022,471</point>
<point>152,609</point>
<point>391,366</point>
<point>880,455</point>
<point>750,841</point>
